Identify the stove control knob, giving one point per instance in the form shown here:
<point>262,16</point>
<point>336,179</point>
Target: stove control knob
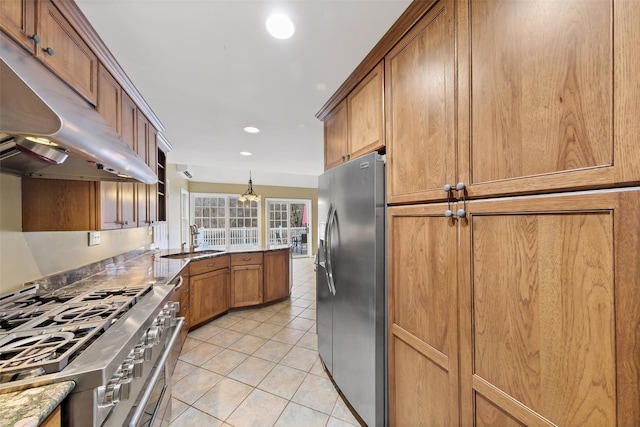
<point>125,388</point>
<point>137,368</point>
<point>154,334</point>
<point>112,394</point>
<point>127,368</point>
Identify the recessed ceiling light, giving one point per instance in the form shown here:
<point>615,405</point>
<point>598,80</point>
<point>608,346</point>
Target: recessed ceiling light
<point>280,26</point>
<point>251,129</point>
<point>245,153</point>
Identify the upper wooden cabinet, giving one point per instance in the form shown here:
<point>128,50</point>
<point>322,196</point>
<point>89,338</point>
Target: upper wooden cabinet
<point>420,107</point>
<point>65,53</point>
<point>17,19</point>
<point>356,125</point>
<point>117,205</point>
<point>336,139</point>
<point>365,114</point>
<point>547,98</point>
<point>128,119</point>
<point>109,99</point>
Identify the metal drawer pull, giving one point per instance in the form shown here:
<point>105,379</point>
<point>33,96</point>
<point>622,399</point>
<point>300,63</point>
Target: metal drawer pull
<point>211,265</point>
<point>246,259</point>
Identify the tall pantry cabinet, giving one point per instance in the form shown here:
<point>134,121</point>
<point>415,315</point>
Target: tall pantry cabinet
<point>513,296</point>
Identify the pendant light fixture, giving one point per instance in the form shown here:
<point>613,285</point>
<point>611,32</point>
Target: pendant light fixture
<point>249,195</point>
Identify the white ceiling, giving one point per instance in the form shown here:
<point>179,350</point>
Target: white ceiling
<point>208,68</point>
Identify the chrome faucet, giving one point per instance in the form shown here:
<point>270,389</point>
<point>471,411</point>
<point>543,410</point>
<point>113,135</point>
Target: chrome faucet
<point>194,237</point>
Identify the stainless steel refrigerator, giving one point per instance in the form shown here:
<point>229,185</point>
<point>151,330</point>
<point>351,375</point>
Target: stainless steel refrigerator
<point>351,293</point>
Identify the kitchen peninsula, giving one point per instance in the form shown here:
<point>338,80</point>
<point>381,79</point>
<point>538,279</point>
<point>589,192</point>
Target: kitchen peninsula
<point>266,269</point>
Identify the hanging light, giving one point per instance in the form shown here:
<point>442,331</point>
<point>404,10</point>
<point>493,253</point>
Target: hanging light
<point>249,195</point>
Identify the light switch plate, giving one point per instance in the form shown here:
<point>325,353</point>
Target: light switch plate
<point>94,238</point>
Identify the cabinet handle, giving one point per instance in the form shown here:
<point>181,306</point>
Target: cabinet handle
<point>448,213</point>
<point>446,188</point>
<point>48,51</point>
<point>246,259</point>
<point>460,186</point>
<point>34,38</point>
<point>461,213</point>
<point>211,265</point>
<point>344,157</point>
<point>126,223</point>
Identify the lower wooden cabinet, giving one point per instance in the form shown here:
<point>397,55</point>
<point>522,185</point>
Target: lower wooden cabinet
<point>246,285</point>
<point>54,419</point>
<point>209,295</point>
<point>277,275</point>
<point>182,296</point>
<point>524,312</point>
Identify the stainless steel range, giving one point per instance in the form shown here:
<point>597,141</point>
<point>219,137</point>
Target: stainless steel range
<point>116,344</point>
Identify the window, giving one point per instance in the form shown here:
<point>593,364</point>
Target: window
<point>225,222</point>
<point>288,222</point>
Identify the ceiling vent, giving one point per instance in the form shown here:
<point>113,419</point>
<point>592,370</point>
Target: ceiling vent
<point>182,170</point>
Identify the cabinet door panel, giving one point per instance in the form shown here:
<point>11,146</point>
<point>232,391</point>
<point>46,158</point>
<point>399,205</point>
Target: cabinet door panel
<point>545,89</point>
<point>128,120</point>
<point>109,98</point>
<point>17,18</point>
<point>209,295</point>
<point>366,114</point>
<point>419,100</point>
<point>128,204</point>
<point>423,347</point>
<point>246,285</point>
<point>276,275</point>
<point>335,136</point>
<point>543,340</point>
<point>72,60</point>
<point>109,206</point>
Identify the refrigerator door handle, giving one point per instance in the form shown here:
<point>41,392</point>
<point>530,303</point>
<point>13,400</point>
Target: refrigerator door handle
<point>328,238</point>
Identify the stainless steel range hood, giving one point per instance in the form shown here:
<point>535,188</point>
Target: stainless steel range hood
<point>35,103</point>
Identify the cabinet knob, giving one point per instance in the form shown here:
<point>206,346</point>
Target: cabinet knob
<point>48,51</point>
<point>460,186</point>
<point>461,213</point>
<point>344,157</point>
<point>34,38</point>
<point>448,213</point>
<point>125,223</point>
<point>446,188</point>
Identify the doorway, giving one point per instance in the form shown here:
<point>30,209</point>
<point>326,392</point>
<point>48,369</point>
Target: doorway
<point>288,223</point>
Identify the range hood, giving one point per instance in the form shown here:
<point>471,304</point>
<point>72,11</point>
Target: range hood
<point>35,104</point>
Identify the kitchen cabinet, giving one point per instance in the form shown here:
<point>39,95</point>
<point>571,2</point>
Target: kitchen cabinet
<point>65,52</point>
<point>246,279</point>
<point>128,116</point>
<point>117,205</point>
<point>17,19</point>
<point>109,99</point>
<point>162,186</point>
<point>277,274</point>
<point>420,79</point>
<point>54,419</point>
<point>423,346</point>
<point>59,205</point>
<point>147,149</point>
<point>336,139</point>
<point>365,114</point>
<point>530,297</point>
<point>208,289</point>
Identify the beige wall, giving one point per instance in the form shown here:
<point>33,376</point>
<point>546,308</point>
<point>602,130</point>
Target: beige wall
<point>29,256</point>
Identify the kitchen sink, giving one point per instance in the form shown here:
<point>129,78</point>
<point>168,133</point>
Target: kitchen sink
<point>193,254</point>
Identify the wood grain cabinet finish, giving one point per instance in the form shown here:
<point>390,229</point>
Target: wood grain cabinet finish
<point>547,322</point>
<point>547,98</point>
<point>420,108</point>
<point>109,99</point>
<point>128,117</point>
<point>365,114</point>
<point>54,419</point>
<point>59,205</point>
<point>277,271</point>
<point>183,297</point>
<point>209,295</point>
<point>423,346</point>
<point>246,280</point>
<point>17,19</point>
<point>209,264</point>
<point>147,149</point>
<point>336,138</point>
<point>72,59</point>
<point>117,205</point>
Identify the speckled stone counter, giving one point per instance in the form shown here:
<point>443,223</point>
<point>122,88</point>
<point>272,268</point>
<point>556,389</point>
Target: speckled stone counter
<point>32,406</point>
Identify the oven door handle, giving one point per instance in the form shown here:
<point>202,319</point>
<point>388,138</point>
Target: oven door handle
<point>162,360</point>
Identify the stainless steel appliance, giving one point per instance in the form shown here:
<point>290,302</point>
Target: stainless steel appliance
<point>351,294</point>
<point>115,343</point>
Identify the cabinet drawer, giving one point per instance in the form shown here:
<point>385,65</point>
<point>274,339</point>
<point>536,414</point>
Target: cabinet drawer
<point>209,264</point>
<point>246,259</point>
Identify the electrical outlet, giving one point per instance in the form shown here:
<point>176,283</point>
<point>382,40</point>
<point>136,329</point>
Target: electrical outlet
<point>150,231</point>
<point>94,238</point>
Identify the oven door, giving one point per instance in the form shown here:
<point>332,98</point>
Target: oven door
<point>154,407</point>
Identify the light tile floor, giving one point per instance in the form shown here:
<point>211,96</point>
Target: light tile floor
<point>259,367</point>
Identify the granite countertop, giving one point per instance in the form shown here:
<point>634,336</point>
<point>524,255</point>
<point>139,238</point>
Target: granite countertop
<point>32,406</point>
